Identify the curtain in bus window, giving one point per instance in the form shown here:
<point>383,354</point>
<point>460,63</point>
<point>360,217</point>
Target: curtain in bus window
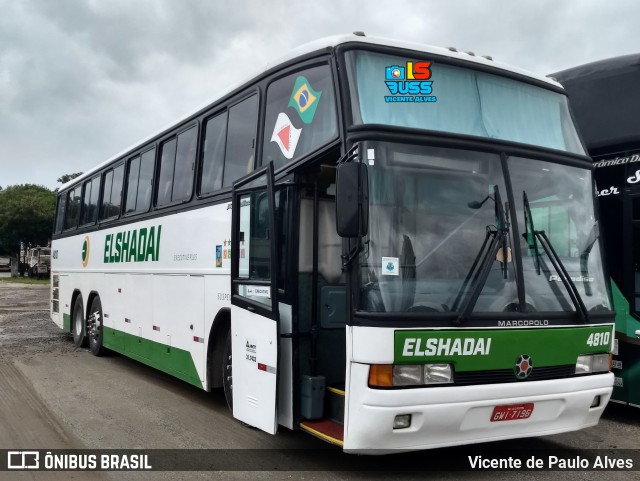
<point>116,191</point>
<point>241,139</point>
<point>106,194</point>
<point>468,102</point>
<point>167,164</point>
<point>132,185</point>
<point>457,109</point>
<point>62,199</point>
<point>185,163</point>
<point>92,214</point>
<point>213,154</point>
<point>73,209</point>
<point>145,181</point>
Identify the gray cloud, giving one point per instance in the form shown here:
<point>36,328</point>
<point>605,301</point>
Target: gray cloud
<point>82,80</point>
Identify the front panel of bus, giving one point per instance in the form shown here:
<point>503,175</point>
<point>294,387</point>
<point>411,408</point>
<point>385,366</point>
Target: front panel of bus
<point>478,300</point>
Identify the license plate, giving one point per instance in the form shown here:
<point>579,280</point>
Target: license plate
<point>511,412</point>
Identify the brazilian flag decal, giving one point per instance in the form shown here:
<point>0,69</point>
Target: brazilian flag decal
<point>304,99</point>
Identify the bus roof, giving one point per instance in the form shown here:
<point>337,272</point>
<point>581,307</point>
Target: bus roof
<point>326,43</point>
<point>605,98</point>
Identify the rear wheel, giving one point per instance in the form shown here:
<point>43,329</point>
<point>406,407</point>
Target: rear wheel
<point>94,328</point>
<point>79,324</point>
<point>227,372</point>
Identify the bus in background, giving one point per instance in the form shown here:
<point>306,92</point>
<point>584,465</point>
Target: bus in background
<point>605,100</point>
<point>356,242</point>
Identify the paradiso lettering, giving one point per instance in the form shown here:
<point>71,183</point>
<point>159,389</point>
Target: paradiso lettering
<point>468,346</point>
<point>137,245</point>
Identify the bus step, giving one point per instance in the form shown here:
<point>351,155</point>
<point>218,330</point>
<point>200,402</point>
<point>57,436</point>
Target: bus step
<point>325,429</point>
<point>334,404</point>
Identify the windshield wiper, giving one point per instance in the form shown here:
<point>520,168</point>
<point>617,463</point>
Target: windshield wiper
<point>481,266</point>
<point>553,256</point>
<point>594,235</point>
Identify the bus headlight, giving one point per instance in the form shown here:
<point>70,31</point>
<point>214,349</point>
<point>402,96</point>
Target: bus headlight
<point>591,363</point>
<point>388,375</point>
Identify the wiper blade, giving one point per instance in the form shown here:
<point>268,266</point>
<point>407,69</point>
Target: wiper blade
<point>482,268</point>
<point>574,294</point>
<point>594,235</point>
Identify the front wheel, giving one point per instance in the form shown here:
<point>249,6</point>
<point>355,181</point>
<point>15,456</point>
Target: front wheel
<point>227,372</point>
<point>79,324</point>
<point>95,328</point>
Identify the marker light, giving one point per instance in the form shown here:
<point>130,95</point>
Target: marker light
<point>388,375</point>
<point>592,363</point>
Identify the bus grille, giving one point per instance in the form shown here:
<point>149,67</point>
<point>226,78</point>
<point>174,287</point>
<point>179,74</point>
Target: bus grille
<point>500,376</point>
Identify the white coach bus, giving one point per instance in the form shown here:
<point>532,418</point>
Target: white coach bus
<point>385,244</point>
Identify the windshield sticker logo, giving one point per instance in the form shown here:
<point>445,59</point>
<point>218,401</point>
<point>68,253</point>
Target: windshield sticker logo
<point>634,179</point>
<point>409,83</point>
<point>86,249</point>
<point>390,266</point>
<point>617,161</point>
<point>304,99</point>
<point>555,278</point>
<point>286,135</point>
<point>523,367</point>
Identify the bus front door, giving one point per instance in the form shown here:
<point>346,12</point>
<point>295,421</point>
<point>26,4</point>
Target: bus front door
<point>254,301</point>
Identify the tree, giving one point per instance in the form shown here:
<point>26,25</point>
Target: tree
<point>67,177</point>
<point>26,215</point>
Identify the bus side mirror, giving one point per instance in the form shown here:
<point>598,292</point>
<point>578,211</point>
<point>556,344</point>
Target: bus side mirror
<point>352,200</point>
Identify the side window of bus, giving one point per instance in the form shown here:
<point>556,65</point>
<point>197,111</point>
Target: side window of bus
<point>177,164</point>
<point>213,147</point>
<point>301,115</point>
<point>139,182</point>
<point>62,202</point>
<point>91,190</point>
<point>72,213</point>
<point>241,140</point>
<point>112,192</point>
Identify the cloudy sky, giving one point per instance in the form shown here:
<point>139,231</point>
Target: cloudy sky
<point>81,80</point>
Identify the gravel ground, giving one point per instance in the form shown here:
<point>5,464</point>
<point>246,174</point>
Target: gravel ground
<point>56,396</point>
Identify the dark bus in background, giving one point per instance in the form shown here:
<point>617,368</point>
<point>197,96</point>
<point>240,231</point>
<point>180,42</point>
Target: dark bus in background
<point>605,98</point>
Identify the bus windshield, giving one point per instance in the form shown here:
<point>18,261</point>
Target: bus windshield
<point>432,210</point>
<point>448,98</point>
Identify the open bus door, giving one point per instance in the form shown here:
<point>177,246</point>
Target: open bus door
<point>254,301</point>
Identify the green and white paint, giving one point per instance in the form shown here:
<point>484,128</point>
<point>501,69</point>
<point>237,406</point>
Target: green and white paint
<point>488,349</point>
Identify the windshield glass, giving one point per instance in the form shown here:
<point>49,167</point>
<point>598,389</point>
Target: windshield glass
<point>561,204</point>
<point>424,94</point>
<point>432,210</point>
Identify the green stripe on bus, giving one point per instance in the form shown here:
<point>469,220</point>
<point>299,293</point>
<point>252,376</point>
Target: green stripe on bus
<point>488,349</point>
<point>172,360</point>
<point>66,322</point>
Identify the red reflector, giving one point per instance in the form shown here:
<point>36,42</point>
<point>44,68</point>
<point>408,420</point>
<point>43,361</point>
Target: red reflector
<point>262,367</point>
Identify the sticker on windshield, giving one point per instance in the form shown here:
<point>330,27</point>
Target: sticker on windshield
<point>304,99</point>
<point>409,83</point>
<point>286,135</point>
<point>390,266</point>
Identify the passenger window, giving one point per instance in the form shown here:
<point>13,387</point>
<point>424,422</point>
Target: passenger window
<point>62,200</point>
<point>177,167</point>
<point>72,213</point>
<point>213,154</point>
<point>300,116</point>
<point>241,139</point>
<point>91,192</point>
<point>112,192</point>
<point>132,185</point>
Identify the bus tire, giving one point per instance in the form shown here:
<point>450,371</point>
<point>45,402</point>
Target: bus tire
<point>227,373</point>
<point>94,328</point>
<point>79,327</point>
